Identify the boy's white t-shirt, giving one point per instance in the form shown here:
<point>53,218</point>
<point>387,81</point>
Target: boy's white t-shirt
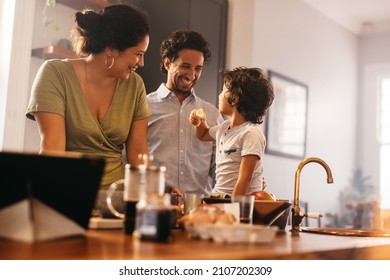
<point>231,145</point>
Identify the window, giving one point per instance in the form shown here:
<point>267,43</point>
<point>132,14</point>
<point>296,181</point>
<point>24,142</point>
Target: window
<point>384,142</point>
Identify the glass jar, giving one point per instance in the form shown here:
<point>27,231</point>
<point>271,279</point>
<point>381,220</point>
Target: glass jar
<point>155,218</point>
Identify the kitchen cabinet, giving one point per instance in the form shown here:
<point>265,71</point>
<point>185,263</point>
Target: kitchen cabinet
<point>208,17</point>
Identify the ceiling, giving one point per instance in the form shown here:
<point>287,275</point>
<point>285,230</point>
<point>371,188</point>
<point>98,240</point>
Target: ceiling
<point>359,16</point>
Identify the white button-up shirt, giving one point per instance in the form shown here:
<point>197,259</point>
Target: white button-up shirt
<point>190,162</point>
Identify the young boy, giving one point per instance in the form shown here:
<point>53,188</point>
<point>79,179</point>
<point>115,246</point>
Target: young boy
<point>245,98</point>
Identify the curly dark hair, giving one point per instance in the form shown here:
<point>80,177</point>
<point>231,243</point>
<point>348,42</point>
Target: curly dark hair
<point>117,26</point>
<point>183,39</point>
<point>250,90</point>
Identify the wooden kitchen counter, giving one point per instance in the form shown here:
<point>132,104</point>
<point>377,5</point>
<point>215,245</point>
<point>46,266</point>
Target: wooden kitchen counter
<point>115,245</point>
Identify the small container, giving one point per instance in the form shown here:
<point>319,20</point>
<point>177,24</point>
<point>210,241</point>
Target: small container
<point>191,201</point>
<point>140,183</point>
<point>155,180</point>
<point>155,218</point>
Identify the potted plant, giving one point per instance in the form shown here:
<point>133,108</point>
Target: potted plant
<point>359,203</point>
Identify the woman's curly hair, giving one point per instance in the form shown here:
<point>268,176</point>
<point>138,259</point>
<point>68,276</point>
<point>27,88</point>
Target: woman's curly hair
<point>250,90</point>
<point>117,26</point>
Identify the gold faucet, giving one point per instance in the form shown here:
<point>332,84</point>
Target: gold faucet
<point>297,216</point>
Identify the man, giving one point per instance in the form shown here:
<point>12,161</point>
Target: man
<point>171,138</point>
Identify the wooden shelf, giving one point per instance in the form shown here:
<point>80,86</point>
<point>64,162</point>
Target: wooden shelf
<point>51,52</point>
<point>81,5</point>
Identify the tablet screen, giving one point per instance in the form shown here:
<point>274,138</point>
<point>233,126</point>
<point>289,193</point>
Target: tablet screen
<point>68,183</point>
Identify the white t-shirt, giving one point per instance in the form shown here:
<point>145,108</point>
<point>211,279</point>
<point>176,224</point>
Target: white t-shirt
<point>231,145</point>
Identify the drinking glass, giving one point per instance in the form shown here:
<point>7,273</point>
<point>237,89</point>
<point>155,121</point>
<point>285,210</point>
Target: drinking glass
<point>246,203</point>
<point>191,201</point>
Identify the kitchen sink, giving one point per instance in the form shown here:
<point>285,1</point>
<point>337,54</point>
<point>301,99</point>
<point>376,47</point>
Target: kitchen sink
<point>347,232</point>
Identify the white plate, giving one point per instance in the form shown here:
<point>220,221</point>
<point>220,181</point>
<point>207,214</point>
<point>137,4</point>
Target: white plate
<point>237,233</point>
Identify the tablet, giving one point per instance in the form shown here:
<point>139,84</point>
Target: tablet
<point>67,183</point>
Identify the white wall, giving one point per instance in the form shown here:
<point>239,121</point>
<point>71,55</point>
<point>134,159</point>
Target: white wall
<point>239,49</point>
<point>15,58</point>
<point>295,40</point>
<point>7,10</point>
<point>374,59</point>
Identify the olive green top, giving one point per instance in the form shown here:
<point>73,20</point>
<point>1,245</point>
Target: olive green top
<point>56,89</point>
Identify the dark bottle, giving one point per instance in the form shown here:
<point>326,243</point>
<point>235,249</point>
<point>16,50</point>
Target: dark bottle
<point>130,217</point>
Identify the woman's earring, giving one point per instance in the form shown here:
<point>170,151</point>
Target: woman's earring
<point>112,63</point>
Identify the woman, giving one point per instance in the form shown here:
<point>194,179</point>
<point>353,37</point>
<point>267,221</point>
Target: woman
<point>96,104</point>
